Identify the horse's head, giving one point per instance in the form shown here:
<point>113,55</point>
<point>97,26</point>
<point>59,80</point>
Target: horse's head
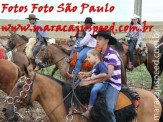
<point>14,39</point>
<point>44,55</point>
<point>21,96</point>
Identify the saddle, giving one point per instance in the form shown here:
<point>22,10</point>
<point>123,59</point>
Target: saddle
<point>141,51</point>
<point>127,102</point>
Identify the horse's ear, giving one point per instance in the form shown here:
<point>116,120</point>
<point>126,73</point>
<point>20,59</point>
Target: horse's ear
<point>11,32</point>
<point>45,42</point>
<point>26,71</point>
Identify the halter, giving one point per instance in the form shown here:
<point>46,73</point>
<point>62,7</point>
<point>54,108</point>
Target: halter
<point>24,94</point>
<point>45,53</point>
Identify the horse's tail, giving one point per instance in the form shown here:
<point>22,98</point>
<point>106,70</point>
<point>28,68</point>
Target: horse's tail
<point>161,64</point>
<point>161,118</point>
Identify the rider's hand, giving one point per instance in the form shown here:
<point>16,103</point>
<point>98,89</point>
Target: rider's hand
<point>73,48</point>
<point>81,75</point>
<point>88,78</point>
<point>37,44</point>
<point>137,46</point>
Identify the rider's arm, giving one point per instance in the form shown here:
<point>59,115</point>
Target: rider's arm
<point>86,39</point>
<point>102,75</point>
<point>110,69</point>
<point>139,35</point>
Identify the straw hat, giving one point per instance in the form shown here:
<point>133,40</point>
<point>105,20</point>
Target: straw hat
<point>135,17</point>
<point>32,16</point>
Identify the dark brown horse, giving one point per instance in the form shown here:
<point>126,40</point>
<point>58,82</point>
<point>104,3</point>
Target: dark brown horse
<point>160,47</point>
<point>52,99</point>
<point>9,73</point>
<point>57,54</point>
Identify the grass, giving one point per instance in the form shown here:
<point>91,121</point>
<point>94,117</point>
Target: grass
<point>139,77</point>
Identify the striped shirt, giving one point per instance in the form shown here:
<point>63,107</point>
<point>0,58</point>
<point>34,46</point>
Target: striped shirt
<point>111,57</point>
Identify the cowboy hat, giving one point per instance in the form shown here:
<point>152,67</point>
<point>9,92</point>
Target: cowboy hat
<point>135,17</point>
<point>32,16</point>
<point>106,35</point>
<point>89,20</point>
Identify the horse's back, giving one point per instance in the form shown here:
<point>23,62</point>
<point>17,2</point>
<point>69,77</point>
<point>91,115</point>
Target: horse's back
<point>150,107</point>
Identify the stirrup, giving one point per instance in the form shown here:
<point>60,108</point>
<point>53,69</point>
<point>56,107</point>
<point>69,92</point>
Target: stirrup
<point>37,68</point>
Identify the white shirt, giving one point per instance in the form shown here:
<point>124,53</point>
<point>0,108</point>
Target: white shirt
<point>88,40</point>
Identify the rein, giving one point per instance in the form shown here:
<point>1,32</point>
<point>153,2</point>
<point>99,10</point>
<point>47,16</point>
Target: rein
<point>18,46</point>
<point>17,99</point>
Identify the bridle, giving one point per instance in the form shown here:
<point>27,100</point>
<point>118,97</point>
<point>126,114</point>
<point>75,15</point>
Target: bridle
<point>17,45</point>
<point>24,93</point>
<point>46,53</point>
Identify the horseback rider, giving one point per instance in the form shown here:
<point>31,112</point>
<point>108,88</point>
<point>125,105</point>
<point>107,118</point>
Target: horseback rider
<point>113,78</point>
<point>99,70</point>
<point>135,38</point>
<point>41,35</point>
<point>88,42</point>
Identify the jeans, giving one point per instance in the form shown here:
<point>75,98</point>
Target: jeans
<point>131,49</point>
<point>111,99</point>
<point>77,49</point>
<point>80,58</point>
<point>37,49</point>
<point>98,87</point>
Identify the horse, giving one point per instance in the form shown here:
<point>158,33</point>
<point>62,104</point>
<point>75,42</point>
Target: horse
<point>19,58</point>
<point>9,73</point>
<point>33,85</point>
<point>16,39</point>
<point>19,42</point>
<point>160,47</point>
<point>57,54</point>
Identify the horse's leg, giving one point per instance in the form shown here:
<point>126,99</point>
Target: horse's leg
<point>54,70</point>
<point>150,69</point>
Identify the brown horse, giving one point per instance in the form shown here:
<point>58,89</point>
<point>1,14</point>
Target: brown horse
<point>32,87</point>
<point>19,58</point>
<point>160,47</point>
<point>9,73</point>
<point>17,42</point>
<point>16,39</point>
<point>58,56</point>
<point>56,53</point>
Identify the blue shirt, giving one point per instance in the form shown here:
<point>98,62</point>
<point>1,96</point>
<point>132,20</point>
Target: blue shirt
<point>99,69</point>
<point>40,33</point>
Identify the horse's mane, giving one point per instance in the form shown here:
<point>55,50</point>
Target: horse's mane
<point>24,37</point>
<point>60,47</point>
<point>99,111</point>
<point>161,40</point>
<point>118,46</point>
